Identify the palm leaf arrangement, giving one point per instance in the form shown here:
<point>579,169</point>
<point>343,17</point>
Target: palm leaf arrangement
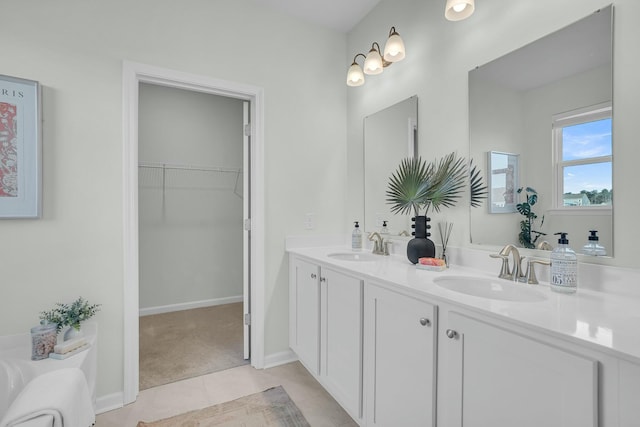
<point>417,185</point>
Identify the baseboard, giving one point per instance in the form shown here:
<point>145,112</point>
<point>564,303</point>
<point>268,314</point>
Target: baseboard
<point>109,402</point>
<point>277,359</point>
<point>188,305</point>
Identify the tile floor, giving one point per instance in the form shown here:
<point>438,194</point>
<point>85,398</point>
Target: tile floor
<point>168,400</point>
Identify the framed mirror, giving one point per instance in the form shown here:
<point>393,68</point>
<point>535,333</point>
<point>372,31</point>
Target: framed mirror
<point>390,135</point>
<point>548,105</point>
<point>503,181</point>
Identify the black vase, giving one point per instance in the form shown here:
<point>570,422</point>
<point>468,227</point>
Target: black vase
<point>420,246</point>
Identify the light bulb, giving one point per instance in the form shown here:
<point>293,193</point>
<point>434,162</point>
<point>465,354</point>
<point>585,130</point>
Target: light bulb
<point>355,76</point>
<point>373,63</point>
<point>459,7</point>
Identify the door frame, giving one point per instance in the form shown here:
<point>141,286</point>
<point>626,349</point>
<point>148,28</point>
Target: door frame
<point>132,75</point>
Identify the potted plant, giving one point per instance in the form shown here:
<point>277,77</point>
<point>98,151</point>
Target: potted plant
<point>71,315</point>
<point>528,236</point>
<point>417,186</point>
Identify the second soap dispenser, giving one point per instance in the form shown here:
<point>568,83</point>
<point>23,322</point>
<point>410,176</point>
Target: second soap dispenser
<point>593,247</point>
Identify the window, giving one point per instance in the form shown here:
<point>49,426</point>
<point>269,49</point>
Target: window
<point>583,158</point>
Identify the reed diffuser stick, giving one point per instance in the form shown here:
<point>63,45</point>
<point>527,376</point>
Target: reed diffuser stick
<point>445,232</point>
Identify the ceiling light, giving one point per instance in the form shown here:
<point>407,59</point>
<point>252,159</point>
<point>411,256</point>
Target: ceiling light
<point>374,61</point>
<point>457,10</point>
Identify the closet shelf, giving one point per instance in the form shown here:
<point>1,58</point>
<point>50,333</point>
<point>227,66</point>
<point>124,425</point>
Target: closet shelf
<point>188,167</point>
<point>164,168</point>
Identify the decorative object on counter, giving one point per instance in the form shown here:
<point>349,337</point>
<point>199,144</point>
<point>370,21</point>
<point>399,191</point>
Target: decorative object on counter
<point>43,340</point>
<point>431,264</point>
<point>564,266</point>
<point>417,185</point>
<point>445,232</point>
<point>420,246</point>
<point>71,315</point>
<point>528,236</point>
<point>592,247</point>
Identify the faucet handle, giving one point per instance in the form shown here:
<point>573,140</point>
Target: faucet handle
<point>385,246</point>
<point>505,272</point>
<point>531,271</point>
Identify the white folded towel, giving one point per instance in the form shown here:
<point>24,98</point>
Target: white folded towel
<point>59,398</point>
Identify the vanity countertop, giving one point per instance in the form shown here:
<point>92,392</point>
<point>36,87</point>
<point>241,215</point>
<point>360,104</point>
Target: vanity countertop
<point>608,322</point>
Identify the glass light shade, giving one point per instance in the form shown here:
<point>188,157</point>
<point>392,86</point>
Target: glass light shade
<point>457,10</point>
<point>373,63</point>
<point>394,48</point>
<point>355,77</point>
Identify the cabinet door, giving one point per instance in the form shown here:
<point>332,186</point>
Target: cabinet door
<point>500,378</point>
<point>399,359</point>
<point>304,313</point>
<point>341,342</point>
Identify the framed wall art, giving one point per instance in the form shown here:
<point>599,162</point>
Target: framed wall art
<point>20,148</point>
<point>503,181</point>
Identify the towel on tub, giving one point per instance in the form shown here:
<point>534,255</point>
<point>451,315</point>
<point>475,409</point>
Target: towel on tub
<point>58,398</point>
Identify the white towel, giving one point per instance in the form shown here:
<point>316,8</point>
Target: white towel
<point>58,398</point>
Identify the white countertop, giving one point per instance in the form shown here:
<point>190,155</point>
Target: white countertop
<point>605,321</point>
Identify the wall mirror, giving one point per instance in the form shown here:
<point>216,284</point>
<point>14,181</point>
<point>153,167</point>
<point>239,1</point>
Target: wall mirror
<point>548,105</point>
<point>390,135</point>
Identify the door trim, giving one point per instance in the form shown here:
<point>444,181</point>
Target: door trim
<point>132,75</point>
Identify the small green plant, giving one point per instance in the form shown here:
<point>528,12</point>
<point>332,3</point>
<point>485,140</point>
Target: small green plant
<point>70,314</point>
<point>528,236</point>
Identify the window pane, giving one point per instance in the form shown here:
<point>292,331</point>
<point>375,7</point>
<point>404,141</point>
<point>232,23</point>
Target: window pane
<point>588,185</point>
<point>586,140</point>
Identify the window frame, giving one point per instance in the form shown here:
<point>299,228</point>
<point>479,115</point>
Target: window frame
<point>559,122</point>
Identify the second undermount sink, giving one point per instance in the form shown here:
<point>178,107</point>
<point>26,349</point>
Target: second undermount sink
<point>354,256</point>
<point>498,289</point>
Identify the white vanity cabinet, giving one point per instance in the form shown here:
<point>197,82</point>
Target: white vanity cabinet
<point>399,359</point>
<point>494,376</point>
<point>304,313</point>
<point>325,331</point>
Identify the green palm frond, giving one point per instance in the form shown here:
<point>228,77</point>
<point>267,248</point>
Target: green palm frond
<point>417,184</point>
<point>407,189</point>
<point>477,189</point>
<point>447,182</point>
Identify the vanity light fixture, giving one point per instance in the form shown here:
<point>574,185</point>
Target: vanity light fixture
<point>375,61</point>
<point>457,10</point>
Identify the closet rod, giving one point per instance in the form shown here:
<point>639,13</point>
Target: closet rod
<point>188,167</point>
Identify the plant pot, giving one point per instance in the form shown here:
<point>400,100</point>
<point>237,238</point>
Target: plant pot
<point>420,246</point>
<point>72,333</point>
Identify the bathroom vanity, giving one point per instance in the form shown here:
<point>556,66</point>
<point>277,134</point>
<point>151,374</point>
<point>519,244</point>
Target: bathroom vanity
<point>399,346</point>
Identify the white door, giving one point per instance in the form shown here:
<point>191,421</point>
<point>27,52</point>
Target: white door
<point>246,235</point>
<point>340,342</point>
<point>500,378</point>
<point>399,359</point>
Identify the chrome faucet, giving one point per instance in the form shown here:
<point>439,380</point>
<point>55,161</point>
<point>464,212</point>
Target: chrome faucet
<point>516,272</point>
<point>378,243</point>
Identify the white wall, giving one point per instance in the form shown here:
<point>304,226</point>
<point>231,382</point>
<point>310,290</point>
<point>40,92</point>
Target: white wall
<point>190,221</point>
<point>440,54</point>
<point>75,49</point>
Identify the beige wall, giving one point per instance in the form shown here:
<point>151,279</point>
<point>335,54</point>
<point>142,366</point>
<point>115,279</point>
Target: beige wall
<point>75,48</point>
<point>440,54</point>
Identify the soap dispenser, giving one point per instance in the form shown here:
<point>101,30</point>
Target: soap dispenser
<point>356,238</point>
<point>564,266</point>
<point>384,230</point>
<point>592,247</point>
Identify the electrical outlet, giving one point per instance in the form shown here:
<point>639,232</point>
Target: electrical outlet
<point>310,221</point>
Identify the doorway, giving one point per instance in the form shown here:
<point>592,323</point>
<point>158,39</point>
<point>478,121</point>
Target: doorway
<point>191,205</point>
<point>133,75</point>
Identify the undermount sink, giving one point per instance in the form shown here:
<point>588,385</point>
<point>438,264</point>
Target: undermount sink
<point>354,256</point>
<point>498,289</point>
